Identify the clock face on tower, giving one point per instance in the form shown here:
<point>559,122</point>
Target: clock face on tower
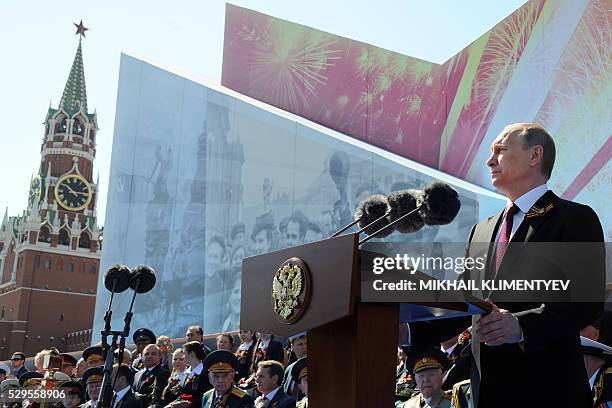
<point>73,192</point>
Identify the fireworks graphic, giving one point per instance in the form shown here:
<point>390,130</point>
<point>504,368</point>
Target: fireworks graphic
<point>504,49</point>
<point>288,63</point>
<point>579,105</point>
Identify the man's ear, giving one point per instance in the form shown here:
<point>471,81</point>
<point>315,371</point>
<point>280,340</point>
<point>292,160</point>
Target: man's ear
<point>536,155</point>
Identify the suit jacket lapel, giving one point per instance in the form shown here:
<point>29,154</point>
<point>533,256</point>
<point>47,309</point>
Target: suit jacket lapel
<point>533,220</point>
<point>484,235</point>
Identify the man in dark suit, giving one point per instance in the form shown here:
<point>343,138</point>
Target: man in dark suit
<point>458,352</point>
<point>299,347</point>
<point>142,337</point>
<point>267,349</point>
<point>504,341</point>
<point>122,386</point>
<point>268,378</point>
<point>18,363</point>
<point>150,382</point>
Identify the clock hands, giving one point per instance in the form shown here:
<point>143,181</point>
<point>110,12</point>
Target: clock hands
<point>74,192</point>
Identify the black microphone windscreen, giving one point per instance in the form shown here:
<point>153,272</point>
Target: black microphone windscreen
<point>440,204</point>
<point>402,202</point>
<point>117,276</point>
<point>369,210</point>
<point>142,279</point>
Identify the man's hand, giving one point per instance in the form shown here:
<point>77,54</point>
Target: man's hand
<point>499,327</point>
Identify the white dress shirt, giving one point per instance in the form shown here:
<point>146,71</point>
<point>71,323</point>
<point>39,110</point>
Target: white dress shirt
<point>524,203</point>
<point>449,350</point>
<point>592,379</point>
<point>264,344</point>
<point>271,394</point>
<point>245,346</point>
<point>197,370</point>
<point>121,394</point>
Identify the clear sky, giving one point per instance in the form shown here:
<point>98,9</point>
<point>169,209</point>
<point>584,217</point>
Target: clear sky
<point>38,44</point>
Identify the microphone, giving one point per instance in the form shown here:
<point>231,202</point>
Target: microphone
<point>142,279</point>
<point>440,204</point>
<point>372,215</point>
<point>117,278</point>
<point>370,205</point>
<point>403,202</point>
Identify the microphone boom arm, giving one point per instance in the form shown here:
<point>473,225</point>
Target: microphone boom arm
<point>369,237</point>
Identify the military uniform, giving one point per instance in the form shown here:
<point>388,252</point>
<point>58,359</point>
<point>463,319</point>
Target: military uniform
<point>418,401</point>
<point>462,395</point>
<point>234,398</point>
<point>601,388</point>
<point>90,376</point>
<point>430,358</point>
<point>94,356</point>
<point>221,361</point>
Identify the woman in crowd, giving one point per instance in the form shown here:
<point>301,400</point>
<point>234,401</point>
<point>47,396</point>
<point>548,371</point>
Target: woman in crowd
<point>225,341</point>
<point>165,346</point>
<point>188,394</point>
<point>179,373</point>
<point>245,353</point>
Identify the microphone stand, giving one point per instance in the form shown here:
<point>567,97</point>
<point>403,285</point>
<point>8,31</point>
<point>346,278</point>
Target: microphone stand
<point>106,393</point>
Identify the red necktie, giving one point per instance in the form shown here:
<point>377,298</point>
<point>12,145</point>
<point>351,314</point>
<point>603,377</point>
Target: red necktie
<point>504,236</point>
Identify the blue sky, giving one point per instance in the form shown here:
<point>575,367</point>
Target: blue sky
<point>38,45</point>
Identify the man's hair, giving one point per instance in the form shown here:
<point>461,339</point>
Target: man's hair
<point>194,347</point>
<point>300,219</point>
<point>124,371</point>
<point>19,354</point>
<point>533,135</point>
<point>197,328</point>
<point>275,369</point>
<point>153,346</point>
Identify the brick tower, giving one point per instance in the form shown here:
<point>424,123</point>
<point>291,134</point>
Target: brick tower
<point>49,255</point>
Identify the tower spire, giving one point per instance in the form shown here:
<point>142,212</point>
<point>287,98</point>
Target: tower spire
<point>74,97</point>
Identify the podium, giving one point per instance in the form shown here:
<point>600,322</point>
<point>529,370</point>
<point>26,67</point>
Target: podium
<point>352,345</point>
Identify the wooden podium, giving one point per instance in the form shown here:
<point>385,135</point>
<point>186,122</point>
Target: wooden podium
<point>352,346</point>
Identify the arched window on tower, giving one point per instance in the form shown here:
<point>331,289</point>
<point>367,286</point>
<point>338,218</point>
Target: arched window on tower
<point>77,128</point>
<point>84,240</point>
<point>63,126</point>
<point>64,237</point>
<point>45,234</point>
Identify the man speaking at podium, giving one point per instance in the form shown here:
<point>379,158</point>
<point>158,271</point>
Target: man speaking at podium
<point>537,353</point>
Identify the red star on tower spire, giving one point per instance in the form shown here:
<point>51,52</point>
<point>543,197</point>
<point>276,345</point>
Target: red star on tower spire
<point>80,28</point>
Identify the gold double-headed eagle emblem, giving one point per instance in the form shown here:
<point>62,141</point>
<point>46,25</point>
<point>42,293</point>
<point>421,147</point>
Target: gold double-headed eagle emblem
<point>290,290</point>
